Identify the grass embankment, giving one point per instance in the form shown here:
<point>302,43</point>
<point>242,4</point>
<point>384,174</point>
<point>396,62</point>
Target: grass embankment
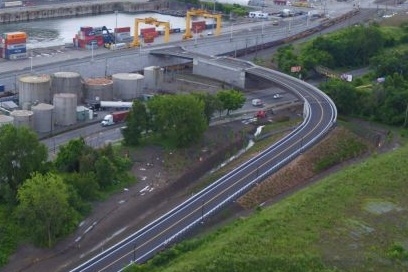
<point>354,220</point>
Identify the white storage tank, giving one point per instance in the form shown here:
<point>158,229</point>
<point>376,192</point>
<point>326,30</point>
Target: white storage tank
<point>67,82</point>
<point>127,86</point>
<point>98,89</point>
<point>65,108</point>
<point>34,89</point>
<point>43,117</point>
<point>23,118</point>
<point>153,77</point>
<point>4,120</point>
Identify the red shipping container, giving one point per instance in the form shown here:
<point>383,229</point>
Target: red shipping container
<point>122,29</point>
<point>98,38</point>
<point>81,43</point>
<point>149,40</point>
<point>16,41</point>
<point>86,28</point>
<point>147,30</point>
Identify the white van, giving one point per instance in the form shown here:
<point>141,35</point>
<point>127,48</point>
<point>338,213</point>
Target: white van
<point>257,102</point>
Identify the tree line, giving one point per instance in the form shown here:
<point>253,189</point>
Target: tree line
<point>43,200</point>
<point>178,120</point>
<point>381,94</point>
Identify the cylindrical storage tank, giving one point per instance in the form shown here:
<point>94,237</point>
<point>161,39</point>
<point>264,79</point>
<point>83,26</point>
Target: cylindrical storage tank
<point>34,89</point>
<point>98,89</point>
<point>23,118</point>
<point>4,120</point>
<point>153,77</point>
<point>43,117</point>
<point>67,82</point>
<point>65,109</point>
<point>127,86</point>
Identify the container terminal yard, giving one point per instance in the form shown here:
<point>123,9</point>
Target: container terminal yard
<point>65,94</point>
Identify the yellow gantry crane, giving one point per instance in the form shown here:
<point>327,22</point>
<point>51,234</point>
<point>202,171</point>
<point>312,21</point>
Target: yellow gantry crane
<point>150,21</point>
<point>205,14</point>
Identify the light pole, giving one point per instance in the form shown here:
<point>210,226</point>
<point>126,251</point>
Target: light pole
<point>31,61</point>
<point>195,39</point>
<point>31,64</point>
<point>232,25</point>
<point>213,18</point>
<point>92,54</point>
<point>116,25</point>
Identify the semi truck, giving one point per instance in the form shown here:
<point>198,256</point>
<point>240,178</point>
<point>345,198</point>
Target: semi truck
<point>114,118</point>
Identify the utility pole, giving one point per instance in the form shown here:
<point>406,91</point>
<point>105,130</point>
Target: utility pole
<point>116,25</point>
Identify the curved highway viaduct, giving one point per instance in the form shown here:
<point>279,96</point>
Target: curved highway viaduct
<point>319,117</point>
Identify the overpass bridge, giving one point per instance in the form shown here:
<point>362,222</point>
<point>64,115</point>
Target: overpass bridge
<point>319,115</point>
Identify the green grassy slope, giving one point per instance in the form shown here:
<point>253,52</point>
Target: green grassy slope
<point>355,220</point>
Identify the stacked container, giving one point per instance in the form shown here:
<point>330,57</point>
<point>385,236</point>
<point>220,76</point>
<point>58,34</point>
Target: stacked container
<point>122,35</point>
<point>88,38</point>
<point>148,32</point>
<point>198,27</point>
<point>13,45</point>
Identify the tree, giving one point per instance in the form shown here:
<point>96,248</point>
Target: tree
<point>105,172</point>
<point>85,184</point>
<point>44,208</point>
<point>343,94</point>
<point>136,123</point>
<point>211,104</point>
<point>231,99</point>
<point>69,155</point>
<point>21,155</point>
<point>179,119</point>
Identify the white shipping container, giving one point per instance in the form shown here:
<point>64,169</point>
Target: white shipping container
<point>16,46</point>
<point>123,34</point>
<point>118,46</point>
<point>18,56</point>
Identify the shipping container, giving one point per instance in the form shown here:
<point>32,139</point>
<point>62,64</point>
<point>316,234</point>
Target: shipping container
<point>15,35</point>
<point>148,39</point>
<point>118,46</point>
<point>122,35</point>
<point>16,46</point>
<point>150,34</point>
<point>122,29</point>
<point>16,41</point>
<point>85,28</point>
<point>15,51</point>
<point>17,56</point>
<point>147,30</point>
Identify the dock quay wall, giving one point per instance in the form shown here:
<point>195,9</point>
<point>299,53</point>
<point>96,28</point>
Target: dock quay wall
<point>23,14</point>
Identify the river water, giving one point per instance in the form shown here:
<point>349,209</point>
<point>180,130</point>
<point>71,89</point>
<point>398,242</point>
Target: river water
<point>54,32</point>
